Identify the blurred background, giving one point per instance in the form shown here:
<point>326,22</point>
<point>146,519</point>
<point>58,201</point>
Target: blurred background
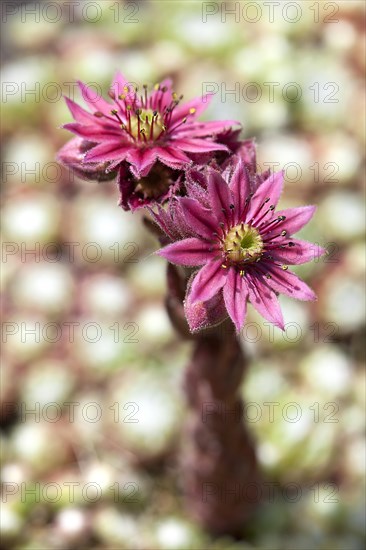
<point>92,405</point>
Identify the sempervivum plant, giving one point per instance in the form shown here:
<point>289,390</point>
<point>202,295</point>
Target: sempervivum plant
<point>242,244</point>
<point>217,220</point>
<point>144,135</point>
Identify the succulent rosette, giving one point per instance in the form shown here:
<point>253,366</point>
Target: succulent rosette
<point>241,244</point>
<point>142,133</point>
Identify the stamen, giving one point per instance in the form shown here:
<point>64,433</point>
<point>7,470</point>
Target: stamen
<point>265,227</point>
<point>246,205</point>
<point>178,124</point>
<point>270,209</point>
<point>115,113</point>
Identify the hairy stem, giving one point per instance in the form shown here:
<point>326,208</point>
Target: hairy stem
<point>218,462</point>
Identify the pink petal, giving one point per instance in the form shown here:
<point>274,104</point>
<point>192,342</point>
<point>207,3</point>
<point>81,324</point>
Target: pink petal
<point>301,253</point>
<point>264,300</point>
<point>189,252</point>
<point>240,188</point>
<point>80,114</point>
<point>235,297</point>
<point>95,102</point>
<point>199,218</point>
<point>202,129</point>
<point>271,188</point>
<point>92,133</point>
<point>119,83</point>
<point>200,104</point>
<point>107,151</point>
<point>72,152</point>
<point>172,157</point>
<point>163,219</point>
<point>247,152</point>
<point>196,177</point>
<point>209,281</point>
<point>296,218</point>
<point>159,99</point>
<point>202,315</point>
<point>167,83</point>
<point>142,160</point>
<point>220,196</point>
<point>195,191</point>
<point>287,282</point>
<point>179,218</point>
<point>197,145</point>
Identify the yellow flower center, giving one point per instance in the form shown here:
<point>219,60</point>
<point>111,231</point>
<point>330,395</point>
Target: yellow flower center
<point>243,244</point>
<point>146,124</point>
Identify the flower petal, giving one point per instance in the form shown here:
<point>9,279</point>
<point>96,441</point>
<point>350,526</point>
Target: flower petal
<point>142,160</point>
<point>92,98</point>
<point>264,300</point>
<point>195,190</point>
<point>164,220</point>
<point>172,157</point>
<point>220,196</point>
<point>119,83</point>
<point>199,218</point>
<point>197,145</point>
<point>189,252</point>
<point>240,188</point>
<point>159,99</point>
<point>202,315</point>
<point>92,133</point>
<point>199,104</point>
<point>287,282</point>
<point>180,221</point>
<point>107,151</point>
<point>209,281</point>
<point>300,252</point>
<point>296,218</point>
<point>271,188</point>
<point>235,297</point>
<point>210,128</point>
<point>79,114</point>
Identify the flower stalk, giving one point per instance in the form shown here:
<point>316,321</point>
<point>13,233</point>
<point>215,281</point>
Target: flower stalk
<point>218,463</point>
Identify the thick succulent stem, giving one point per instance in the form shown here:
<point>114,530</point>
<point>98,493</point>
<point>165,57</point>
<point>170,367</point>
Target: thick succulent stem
<point>218,461</point>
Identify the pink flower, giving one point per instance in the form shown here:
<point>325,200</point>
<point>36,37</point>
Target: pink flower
<point>243,246</point>
<point>143,130</point>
